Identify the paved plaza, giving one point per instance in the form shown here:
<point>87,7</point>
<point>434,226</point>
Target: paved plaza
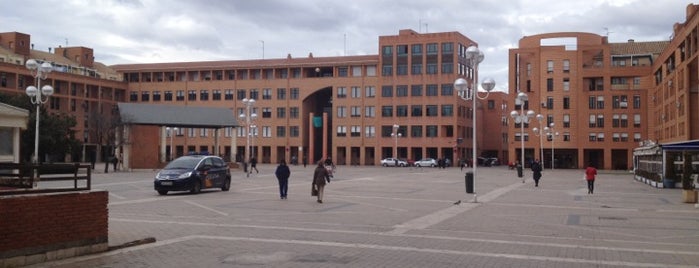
<point>399,217</point>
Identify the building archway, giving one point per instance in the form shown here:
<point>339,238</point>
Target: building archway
<point>318,104</point>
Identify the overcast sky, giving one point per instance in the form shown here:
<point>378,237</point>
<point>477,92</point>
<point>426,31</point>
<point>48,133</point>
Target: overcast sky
<point>148,31</point>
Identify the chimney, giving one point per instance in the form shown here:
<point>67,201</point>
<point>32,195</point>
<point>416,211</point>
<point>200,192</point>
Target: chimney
<point>631,40</point>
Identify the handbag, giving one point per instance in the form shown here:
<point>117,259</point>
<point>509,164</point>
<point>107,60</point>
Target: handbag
<point>314,191</point>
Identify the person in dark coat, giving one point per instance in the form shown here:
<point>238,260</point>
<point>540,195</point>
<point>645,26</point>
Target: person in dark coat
<point>320,176</point>
<point>253,165</point>
<point>536,169</point>
<point>283,174</point>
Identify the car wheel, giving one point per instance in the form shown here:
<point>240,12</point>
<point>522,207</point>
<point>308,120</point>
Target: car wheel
<point>226,185</point>
<point>196,188</point>
<point>417,165</point>
<point>162,192</point>
<point>402,165</point>
<point>385,165</point>
<point>433,165</point>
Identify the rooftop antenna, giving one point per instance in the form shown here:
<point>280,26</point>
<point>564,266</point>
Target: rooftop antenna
<point>345,44</point>
<point>263,49</point>
<point>607,32</point>
<point>426,29</point>
<point>419,28</point>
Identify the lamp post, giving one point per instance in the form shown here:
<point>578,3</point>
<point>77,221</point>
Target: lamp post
<point>550,132</point>
<point>248,117</point>
<point>522,118</point>
<point>466,92</point>
<point>40,72</point>
<point>395,136</point>
<point>540,133</point>
<point>171,132</point>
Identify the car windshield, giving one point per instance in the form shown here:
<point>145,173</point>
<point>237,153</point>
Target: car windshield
<point>183,163</point>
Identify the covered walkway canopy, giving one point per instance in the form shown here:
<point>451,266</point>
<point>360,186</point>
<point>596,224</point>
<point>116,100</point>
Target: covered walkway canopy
<point>163,116</point>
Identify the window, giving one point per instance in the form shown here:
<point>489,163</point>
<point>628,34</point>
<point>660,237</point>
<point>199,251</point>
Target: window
<point>566,84</point>
<point>204,95</point>
<point>242,94</point>
<point>431,90</point>
<point>402,91</point>
<point>402,69</point>
<point>416,111</point>
<point>566,66</point>
<point>293,112</point>
<point>637,137</point>
<point>387,70</point>
<point>591,102</point>
<point>145,96</point>
<point>293,131</point>
<point>431,131</point>
<point>431,110</point>
<point>387,51</point>
<point>267,94</point>
<point>549,66</point>
<point>624,120</point>
<point>431,68</point>
<point>636,101</point>
<point>616,137</point>
<point>370,91</point>
<point>491,104</point>
<point>593,120</point>
<point>566,102</point>
<point>447,90</point>
<point>566,120</point>
<point>266,112</point>
<point>341,111</point>
<point>281,93</point>
<point>387,111</point>
<point>592,137</point>
<point>416,131</point>
<point>416,90</point>
<point>432,48</point>
<point>549,103</point>
<point>402,111</point>
<point>447,67</point>
<point>229,94</point>
<point>341,131</point>
<point>192,95</point>
<point>355,111</point>
<point>616,122</point>
<point>447,48</point>
<point>369,131</point>
<point>636,120</point>
<point>416,68</point>
<point>254,94</point>
<point>549,84</point>
<point>180,95</point>
<point>341,92</point>
<point>281,112</point>
<point>168,95</point>
<point>356,71</point>
<point>216,94</point>
<point>624,137</point>
<point>267,132</point>
<point>600,102</point>
<point>281,131</point>
<point>369,111</point>
<point>600,136</point>
<point>133,96</point>
<point>294,94</point>
<point>156,95</point>
<point>447,110</point>
<point>356,92</point>
<point>387,91</point>
<point>355,131</point>
<point>371,70</point>
<point>600,120</point>
<point>342,71</point>
<point>417,49</point>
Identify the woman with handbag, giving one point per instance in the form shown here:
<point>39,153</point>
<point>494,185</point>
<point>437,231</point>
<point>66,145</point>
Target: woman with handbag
<point>320,176</point>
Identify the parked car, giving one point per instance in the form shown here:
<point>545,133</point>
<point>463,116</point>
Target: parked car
<point>193,173</point>
<point>426,162</point>
<point>392,162</point>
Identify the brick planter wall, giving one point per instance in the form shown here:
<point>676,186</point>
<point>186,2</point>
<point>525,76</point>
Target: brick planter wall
<point>42,227</point>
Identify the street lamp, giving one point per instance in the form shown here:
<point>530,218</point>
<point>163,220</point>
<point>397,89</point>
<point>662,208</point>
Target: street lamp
<point>466,92</point>
<point>248,117</point>
<point>550,132</point>
<point>522,118</point>
<point>172,134</point>
<point>40,72</point>
<point>395,136</point>
<point>540,133</point>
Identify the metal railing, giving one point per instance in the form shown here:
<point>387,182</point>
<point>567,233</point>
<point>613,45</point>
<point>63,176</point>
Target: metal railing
<point>44,178</point>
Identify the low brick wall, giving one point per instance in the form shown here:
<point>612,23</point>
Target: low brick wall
<point>42,227</point>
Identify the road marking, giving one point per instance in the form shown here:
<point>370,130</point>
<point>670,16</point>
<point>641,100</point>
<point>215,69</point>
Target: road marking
<point>205,207</point>
<point>117,196</point>
<point>449,212</point>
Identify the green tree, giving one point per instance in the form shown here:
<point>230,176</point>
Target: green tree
<point>56,131</point>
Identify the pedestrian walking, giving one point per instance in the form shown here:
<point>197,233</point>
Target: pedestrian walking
<point>283,173</point>
<point>305,161</point>
<point>536,170</point>
<point>320,177</point>
<point>520,170</point>
<point>590,174</point>
<point>253,165</point>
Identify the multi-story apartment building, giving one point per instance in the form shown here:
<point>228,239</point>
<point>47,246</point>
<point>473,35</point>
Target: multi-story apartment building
<point>340,107</point>
<point>595,93</point>
<point>83,88</point>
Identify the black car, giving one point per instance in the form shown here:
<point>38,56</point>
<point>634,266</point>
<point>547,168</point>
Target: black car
<point>193,173</point>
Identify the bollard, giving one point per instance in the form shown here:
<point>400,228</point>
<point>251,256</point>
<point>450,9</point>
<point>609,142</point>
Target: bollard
<point>469,182</point>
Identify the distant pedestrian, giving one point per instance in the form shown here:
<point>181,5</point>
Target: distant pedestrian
<point>283,174</point>
<point>253,165</point>
<point>305,161</point>
<point>536,170</point>
<point>590,174</point>
<point>520,170</point>
<point>320,177</point>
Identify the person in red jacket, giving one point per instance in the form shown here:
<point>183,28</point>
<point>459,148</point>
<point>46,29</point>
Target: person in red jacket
<point>590,173</point>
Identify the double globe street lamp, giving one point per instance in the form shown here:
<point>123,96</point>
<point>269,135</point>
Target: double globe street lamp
<point>171,132</point>
<point>522,118</point>
<point>40,72</point>
<point>539,133</point>
<point>470,92</point>
<point>248,116</point>
<point>395,136</point>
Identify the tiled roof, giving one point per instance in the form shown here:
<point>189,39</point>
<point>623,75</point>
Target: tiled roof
<point>638,48</point>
